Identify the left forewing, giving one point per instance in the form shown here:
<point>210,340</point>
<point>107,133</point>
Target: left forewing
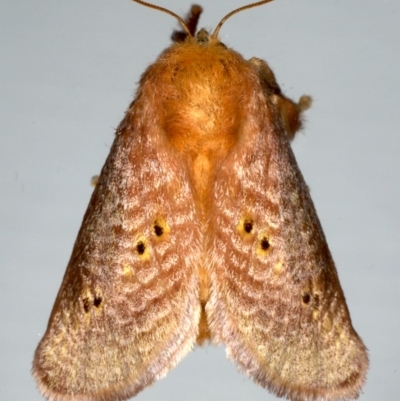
<point>128,307</point>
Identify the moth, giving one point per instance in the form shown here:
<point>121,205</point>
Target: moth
<point>201,228</point>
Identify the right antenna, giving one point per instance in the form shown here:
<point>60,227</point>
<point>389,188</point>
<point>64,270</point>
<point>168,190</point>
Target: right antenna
<point>259,3</point>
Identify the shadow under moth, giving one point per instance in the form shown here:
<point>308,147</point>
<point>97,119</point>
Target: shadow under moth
<point>201,228</point>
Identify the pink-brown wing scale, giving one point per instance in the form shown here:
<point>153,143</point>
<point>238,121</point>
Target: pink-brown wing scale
<point>128,307</point>
<point>276,301</point>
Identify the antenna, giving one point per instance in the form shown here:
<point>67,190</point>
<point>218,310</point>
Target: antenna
<point>165,10</point>
<point>216,31</point>
<point>182,22</point>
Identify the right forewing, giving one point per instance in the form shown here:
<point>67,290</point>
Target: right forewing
<point>276,299</point>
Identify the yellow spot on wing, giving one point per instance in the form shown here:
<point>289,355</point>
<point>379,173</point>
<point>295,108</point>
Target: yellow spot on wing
<point>126,270</point>
<point>327,323</point>
<point>161,223</point>
<point>278,267</point>
<point>263,245</point>
<point>241,227</point>
<point>142,248</point>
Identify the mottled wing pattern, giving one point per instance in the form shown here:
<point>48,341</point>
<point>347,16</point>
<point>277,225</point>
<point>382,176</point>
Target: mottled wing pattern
<point>128,307</point>
<point>276,301</point>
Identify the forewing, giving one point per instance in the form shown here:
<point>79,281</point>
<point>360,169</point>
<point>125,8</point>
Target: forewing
<point>127,310</point>
<point>276,300</point>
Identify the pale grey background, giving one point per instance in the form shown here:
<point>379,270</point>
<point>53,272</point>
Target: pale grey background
<point>68,71</point>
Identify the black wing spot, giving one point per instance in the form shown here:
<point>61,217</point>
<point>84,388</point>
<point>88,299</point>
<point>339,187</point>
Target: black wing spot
<point>140,247</point>
<point>97,301</point>
<point>306,298</point>
<point>158,230</point>
<point>86,304</point>
<point>245,227</point>
<point>264,244</point>
<point>316,301</point>
<point>248,226</point>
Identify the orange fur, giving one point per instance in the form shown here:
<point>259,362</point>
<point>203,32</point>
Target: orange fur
<point>203,113</point>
